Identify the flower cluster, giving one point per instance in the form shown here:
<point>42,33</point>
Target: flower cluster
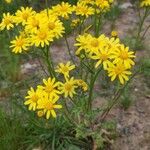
<point>37,29</point>
<point>115,57</point>
<point>100,5</point>
<point>45,97</point>
<point>42,28</point>
<point>145,3</point>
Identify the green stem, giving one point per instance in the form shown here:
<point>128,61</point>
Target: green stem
<point>52,62</point>
<point>95,22</point>
<point>48,61</point>
<point>116,98</point>
<point>71,99</point>
<point>98,25</point>
<point>81,68</point>
<point>145,32</point>
<point>68,115</point>
<point>89,69</point>
<point>42,67</point>
<point>92,82</point>
<point>68,48</point>
<point>81,24</point>
<point>142,23</point>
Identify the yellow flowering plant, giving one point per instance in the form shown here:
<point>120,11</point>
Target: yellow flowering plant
<point>143,13</point>
<point>68,90</point>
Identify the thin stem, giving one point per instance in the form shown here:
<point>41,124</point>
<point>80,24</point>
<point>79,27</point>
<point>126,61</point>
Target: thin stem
<point>81,24</point>
<point>89,69</point>
<point>142,23</point>
<point>92,82</point>
<point>67,113</point>
<point>51,61</point>
<point>98,25</point>
<point>71,99</point>
<point>81,68</point>
<point>145,31</point>
<point>116,98</point>
<point>95,22</point>
<point>46,54</point>
<point>68,48</point>
<point>46,3</point>
<point>42,67</point>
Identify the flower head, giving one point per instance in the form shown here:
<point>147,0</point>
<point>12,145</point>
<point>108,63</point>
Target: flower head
<point>7,22</point>
<point>20,44</point>
<point>41,38</point>
<point>32,98</point>
<point>65,68</point>
<point>103,56</point>
<point>123,55</point>
<point>23,14</point>
<point>50,86</point>
<point>114,33</point>
<point>33,23</point>
<point>118,71</point>
<point>145,3</point>
<point>53,25</point>
<point>82,42</point>
<point>63,10</point>
<point>82,84</point>
<point>68,88</point>
<point>83,10</point>
<point>103,4</point>
<point>47,104</point>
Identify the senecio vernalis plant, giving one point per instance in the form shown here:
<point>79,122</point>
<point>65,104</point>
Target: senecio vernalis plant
<point>72,83</point>
<point>145,8</point>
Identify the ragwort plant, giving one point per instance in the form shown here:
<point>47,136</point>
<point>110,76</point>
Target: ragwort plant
<point>62,103</point>
<point>143,13</point>
<point>145,7</point>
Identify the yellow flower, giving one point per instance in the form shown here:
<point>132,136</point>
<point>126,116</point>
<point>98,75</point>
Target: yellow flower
<point>83,10</point>
<point>41,38</point>
<point>86,1</point>
<point>54,26</point>
<point>75,22</point>
<point>82,84</point>
<point>23,15</point>
<point>49,12</point>
<point>103,55</point>
<point>120,71</point>
<point>65,68</point>
<point>113,43</point>
<point>33,23</point>
<point>103,4</point>
<point>20,44</point>
<point>123,55</point>
<point>50,86</point>
<point>68,88</point>
<point>47,104</point>
<point>63,10</point>
<point>40,113</point>
<point>82,43</point>
<point>114,33</point>
<point>7,22</point>
<point>145,3</point>
<point>32,98</point>
<point>8,1</point>
<point>94,44</point>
